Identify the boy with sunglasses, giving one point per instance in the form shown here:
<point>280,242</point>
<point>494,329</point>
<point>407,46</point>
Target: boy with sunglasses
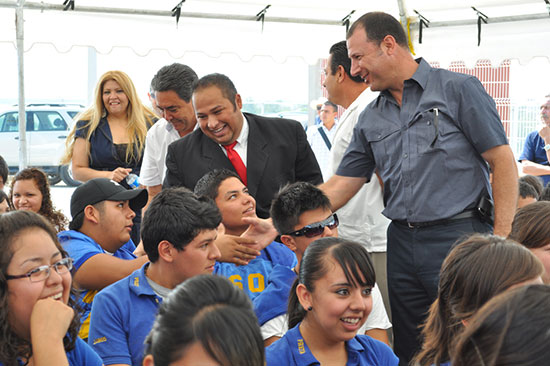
<point>302,213</point>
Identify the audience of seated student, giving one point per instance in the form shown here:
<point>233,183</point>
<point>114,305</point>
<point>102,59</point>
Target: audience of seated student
<point>527,194</point>
<point>5,203</point>
<point>99,238</point>
<point>108,139</point>
<point>534,181</point>
<point>474,271</point>
<point>205,321</point>
<point>531,227</point>
<point>4,171</point>
<point>302,213</point>
<point>37,320</point>
<point>238,207</point>
<point>510,330</point>
<point>30,190</point>
<point>178,233</point>
<point>329,302</point>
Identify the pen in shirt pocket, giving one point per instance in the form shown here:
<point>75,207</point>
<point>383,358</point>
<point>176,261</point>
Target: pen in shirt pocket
<point>435,112</point>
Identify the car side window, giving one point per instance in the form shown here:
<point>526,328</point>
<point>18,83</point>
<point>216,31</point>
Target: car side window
<point>48,121</point>
<point>9,122</point>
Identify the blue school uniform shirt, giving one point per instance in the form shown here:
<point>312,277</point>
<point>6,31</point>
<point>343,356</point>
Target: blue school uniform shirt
<point>362,350</point>
<point>273,301</point>
<point>80,355</point>
<point>252,278</point>
<point>122,315</point>
<point>80,248</point>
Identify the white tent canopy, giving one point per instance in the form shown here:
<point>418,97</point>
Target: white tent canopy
<point>209,26</point>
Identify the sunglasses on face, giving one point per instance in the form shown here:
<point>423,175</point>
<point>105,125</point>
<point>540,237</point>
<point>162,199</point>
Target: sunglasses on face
<point>317,228</point>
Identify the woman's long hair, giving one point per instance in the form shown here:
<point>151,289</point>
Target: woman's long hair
<point>12,224</point>
<point>56,217</point>
<point>140,118</point>
<point>474,271</point>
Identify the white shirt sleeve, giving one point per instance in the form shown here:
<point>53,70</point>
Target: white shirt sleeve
<point>378,318</point>
<point>275,327</point>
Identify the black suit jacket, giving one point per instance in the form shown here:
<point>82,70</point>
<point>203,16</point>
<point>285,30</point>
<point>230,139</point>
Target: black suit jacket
<point>278,153</point>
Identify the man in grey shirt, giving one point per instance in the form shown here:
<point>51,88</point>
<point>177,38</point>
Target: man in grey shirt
<point>432,135</point>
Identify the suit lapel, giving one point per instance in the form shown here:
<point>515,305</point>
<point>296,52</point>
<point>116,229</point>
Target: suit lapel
<point>213,155</point>
<point>256,155</point>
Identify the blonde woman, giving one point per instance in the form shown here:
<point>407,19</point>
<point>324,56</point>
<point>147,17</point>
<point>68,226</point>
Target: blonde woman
<point>108,138</point>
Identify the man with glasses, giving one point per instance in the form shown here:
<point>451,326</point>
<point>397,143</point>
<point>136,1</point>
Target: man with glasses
<point>302,213</point>
<point>99,239</point>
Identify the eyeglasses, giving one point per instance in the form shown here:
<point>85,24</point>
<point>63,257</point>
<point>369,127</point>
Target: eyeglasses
<point>43,272</point>
<point>317,228</point>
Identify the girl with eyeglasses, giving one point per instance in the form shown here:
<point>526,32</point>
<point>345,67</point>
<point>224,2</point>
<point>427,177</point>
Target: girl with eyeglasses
<point>329,302</point>
<point>38,325</point>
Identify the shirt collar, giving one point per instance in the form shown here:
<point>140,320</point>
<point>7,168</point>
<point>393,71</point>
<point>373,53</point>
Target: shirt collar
<point>422,72</point>
<point>138,282</point>
<point>243,137</point>
<point>300,351</point>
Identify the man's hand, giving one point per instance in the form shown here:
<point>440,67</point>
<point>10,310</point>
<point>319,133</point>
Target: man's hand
<point>261,231</point>
<point>544,132</point>
<point>236,249</point>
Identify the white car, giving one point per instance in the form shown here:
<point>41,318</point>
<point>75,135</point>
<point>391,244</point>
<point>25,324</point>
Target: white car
<point>47,128</point>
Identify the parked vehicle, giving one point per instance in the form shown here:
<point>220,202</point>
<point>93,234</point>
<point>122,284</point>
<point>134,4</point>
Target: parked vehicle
<point>47,128</point>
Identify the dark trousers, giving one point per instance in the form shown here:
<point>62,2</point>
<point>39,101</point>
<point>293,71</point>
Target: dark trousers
<point>414,260</point>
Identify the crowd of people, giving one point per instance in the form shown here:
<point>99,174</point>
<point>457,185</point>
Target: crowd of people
<point>398,235</point>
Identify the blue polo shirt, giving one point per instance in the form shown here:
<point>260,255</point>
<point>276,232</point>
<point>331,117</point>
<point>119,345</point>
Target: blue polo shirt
<point>252,278</point>
<point>122,316</point>
<point>533,150</point>
<point>80,248</point>
<point>80,355</point>
<point>273,301</point>
<point>362,350</point>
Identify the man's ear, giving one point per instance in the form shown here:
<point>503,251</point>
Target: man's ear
<point>304,296</point>
<point>340,74</point>
<point>288,240</point>
<point>389,45</point>
<point>91,214</point>
<point>148,361</point>
<point>166,251</point>
<point>238,101</point>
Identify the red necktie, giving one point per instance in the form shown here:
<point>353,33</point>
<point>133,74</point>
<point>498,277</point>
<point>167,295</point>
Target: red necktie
<point>236,160</point>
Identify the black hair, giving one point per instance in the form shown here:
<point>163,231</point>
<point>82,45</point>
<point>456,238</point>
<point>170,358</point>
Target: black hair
<point>77,221</point>
<point>209,183</point>
<point>339,52</point>
<point>527,190</point>
<point>511,329</point>
<point>377,26</point>
<point>220,81</point>
<point>534,181</point>
<point>178,216</point>
<point>176,77</point>
<point>352,257</point>
<point>292,201</point>
<point>545,195</point>
<point>210,310</point>
<point>4,170</point>
<point>4,197</point>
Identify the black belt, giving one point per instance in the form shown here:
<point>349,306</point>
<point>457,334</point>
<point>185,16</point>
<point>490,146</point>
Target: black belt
<point>415,225</point>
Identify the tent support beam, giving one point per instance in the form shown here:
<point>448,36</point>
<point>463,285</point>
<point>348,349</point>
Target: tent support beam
<point>91,9</point>
<point>20,35</point>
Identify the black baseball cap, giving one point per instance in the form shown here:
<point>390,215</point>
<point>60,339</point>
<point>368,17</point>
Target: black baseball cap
<point>103,189</point>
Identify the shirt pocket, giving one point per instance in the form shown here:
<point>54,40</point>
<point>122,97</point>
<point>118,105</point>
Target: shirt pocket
<point>425,130</point>
<point>386,146</point>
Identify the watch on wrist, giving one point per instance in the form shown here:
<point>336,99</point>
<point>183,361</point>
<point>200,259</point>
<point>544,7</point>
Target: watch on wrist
<point>547,147</point>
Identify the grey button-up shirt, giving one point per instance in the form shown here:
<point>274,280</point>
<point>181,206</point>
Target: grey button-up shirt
<point>432,168</point>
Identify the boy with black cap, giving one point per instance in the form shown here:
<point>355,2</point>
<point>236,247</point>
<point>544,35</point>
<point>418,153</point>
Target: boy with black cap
<point>99,238</point>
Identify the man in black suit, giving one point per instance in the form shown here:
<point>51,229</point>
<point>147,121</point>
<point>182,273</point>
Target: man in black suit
<point>274,151</point>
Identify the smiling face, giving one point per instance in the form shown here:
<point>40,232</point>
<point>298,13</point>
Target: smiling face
<point>338,308</point>
<point>115,100</point>
<point>218,118</point>
<point>26,195</point>
<point>176,111</point>
<point>32,248</point>
<point>234,203</point>
<point>197,257</point>
<point>368,60</point>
